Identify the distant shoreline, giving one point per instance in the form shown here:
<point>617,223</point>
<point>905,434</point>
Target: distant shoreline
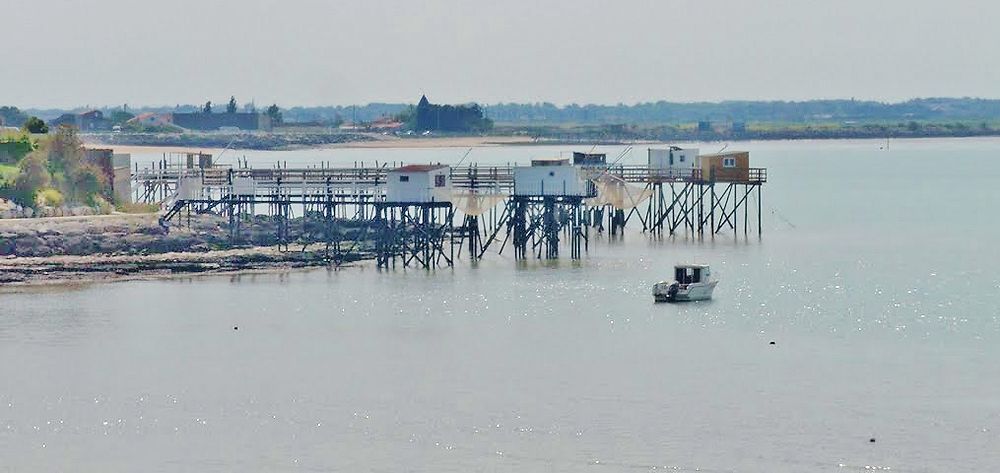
<point>382,142</point>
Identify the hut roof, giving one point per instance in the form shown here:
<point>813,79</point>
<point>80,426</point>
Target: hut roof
<point>419,167</point>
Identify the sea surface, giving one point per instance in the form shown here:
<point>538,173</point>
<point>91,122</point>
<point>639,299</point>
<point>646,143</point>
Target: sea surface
<point>876,278</point>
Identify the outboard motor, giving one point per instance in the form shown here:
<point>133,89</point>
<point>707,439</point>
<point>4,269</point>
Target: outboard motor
<point>672,290</point>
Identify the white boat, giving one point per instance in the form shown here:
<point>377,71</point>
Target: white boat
<point>692,282</point>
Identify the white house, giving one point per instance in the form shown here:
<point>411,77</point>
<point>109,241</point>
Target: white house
<point>550,177</point>
<point>419,183</point>
<point>674,162</point>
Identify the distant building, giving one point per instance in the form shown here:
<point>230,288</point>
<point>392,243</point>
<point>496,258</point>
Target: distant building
<point>705,126</point>
<point>153,119</point>
<point>386,124</point>
<point>92,120</point>
<point>214,121</point>
<point>739,127</point>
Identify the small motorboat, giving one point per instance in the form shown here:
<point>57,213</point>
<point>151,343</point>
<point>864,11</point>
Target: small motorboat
<point>692,282</point>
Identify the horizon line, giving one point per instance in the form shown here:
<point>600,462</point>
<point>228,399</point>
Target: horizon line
<point>558,105</point>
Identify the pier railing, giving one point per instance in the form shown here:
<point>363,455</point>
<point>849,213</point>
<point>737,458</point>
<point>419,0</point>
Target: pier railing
<point>489,179</point>
<point>640,173</point>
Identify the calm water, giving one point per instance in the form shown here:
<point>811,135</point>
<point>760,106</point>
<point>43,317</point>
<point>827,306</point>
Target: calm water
<point>876,277</point>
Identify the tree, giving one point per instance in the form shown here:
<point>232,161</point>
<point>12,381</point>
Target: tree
<point>207,108</point>
<point>119,117</point>
<point>35,125</point>
<point>60,163</point>
<point>86,182</point>
<point>12,116</point>
<point>231,106</point>
<point>275,113</point>
<point>32,176</point>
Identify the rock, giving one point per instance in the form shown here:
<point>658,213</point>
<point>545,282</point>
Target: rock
<point>137,242</point>
<point>21,249</point>
<point>116,228</point>
<point>6,247</point>
<point>78,245</point>
<point>152,230</point>
<point>26,245</point>
<point>199,248</point>
<point>109,245</point>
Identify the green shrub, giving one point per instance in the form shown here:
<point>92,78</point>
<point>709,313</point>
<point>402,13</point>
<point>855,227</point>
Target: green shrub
<point>50,197</point>
<point>103,206</point>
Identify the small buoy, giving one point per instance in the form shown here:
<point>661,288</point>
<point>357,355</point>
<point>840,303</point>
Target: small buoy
<point>871,440</point>
<point>235,327</point>
<point>772,343</point>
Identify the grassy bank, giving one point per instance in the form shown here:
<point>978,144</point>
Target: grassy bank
<point>7,173</point>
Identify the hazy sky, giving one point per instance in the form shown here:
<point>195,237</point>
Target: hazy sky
<point>311,52</point>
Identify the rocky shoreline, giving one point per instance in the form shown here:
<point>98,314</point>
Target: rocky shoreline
<point>120,247</point>
<point>32,271</point>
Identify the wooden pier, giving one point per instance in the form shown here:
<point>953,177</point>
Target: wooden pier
<point>349,209</point>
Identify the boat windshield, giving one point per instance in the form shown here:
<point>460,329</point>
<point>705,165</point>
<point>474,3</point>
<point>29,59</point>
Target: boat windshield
<point>685,275</point>
<point>689,275</point>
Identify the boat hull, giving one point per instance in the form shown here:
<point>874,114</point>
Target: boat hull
<point>687,293</point>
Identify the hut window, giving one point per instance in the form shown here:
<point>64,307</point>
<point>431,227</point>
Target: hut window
<point>439,180</point>
<point>682,158</point>
<point>404,178</point>
<point>729,162</point>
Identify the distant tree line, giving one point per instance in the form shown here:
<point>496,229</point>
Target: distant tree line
<point>662,112</point>
<point>450,118</point>
<point>757,111</point>
<point>12,116</point>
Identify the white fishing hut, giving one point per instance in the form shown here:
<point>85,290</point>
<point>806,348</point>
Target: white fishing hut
<point>553,177</point>
<point>419,183</point>
<point>674,162</point>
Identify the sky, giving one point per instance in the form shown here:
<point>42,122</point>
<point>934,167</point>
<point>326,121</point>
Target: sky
<point>70,53</point>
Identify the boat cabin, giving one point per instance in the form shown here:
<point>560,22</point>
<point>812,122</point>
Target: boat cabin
<point>692,273</point>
